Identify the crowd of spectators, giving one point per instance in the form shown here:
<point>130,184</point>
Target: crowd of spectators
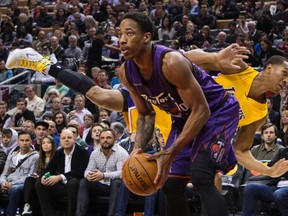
<point>83,36</point>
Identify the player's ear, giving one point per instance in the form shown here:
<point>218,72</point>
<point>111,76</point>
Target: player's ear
<point>147,37</point>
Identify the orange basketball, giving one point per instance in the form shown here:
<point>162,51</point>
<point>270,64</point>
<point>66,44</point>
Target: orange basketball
<point>138,174</point>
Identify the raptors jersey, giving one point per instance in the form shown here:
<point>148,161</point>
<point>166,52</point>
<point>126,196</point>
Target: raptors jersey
<point>239,84</point>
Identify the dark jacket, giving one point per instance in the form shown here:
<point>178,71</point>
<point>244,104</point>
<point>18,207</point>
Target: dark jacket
<point>79,163</point>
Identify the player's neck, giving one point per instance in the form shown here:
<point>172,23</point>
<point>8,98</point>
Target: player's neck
<point>258,89</point>
<point>145,62</point>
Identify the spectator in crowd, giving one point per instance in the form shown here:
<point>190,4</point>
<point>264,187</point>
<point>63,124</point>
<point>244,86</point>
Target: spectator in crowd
<point>102,176</point>
<point>242,26</point>
<point>75,128</point>
<point>88,43</point>
<point>282,13</point>
<point>5,118</point>
<point>5,73</point>
<point>80,110</point>
<point>34,103</point>
<point>253,33</point>
<point>229,10</point>
<point>80,24</point>
<point>181,31</point>
<point>57,49</point>
<point>29,126</point>
<point>283,132</point>
<point>267,51</point>
<point>27,22</point>
<point>60,119</point>
<point>204,17</point>
<point>121,6</point>
<point>176,46</point>
<point>61,16</point>
<point>220,42</point>
<point>102,79</point>
<point>73,51</point>
<point>269,147</point>
<point>23,36</point>
<point>119,131</point>
<point>166,30</point>
<point>9,140</point>
<point>44,80</point>
<point>88,123</point>
<point>52,131</point>
<point>104,115</point>
<point>61,4</point>
<point>40,41</point>
<point>253,55</point>
<point>4,51</point>
<point>274,191</point>
<point>41,129</point>
<point>44,20</point>
<point>8,34</point>
<point>46,152</point>
<point>273,115</point>
<point>232,35</point>
<point>204,38</point>
<point>66,168</point>
<point>47,53</point>
<point>97,14</point>
<point>53,93</point>
<point>15,172</point>
<point>62,89</point>
<point>71,17</point>
<point>3,158</point>
<point>95,132</point>
<point>22,114</point>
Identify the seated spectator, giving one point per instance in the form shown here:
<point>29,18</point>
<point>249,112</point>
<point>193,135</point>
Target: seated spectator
<point>203,39</point>
<point>8,34</point>
<point>119,131</point>
<point>220,43</point>
<point>46,152</point>
<point>29,127</point>
<point>102,78</point>
<point>267,51</point>
<point>44,20</point>
<point>52,131</point>
<point>60,119</point>
<point>204,17</point>
<point>229,10</point>
<point>269,147</point>
<point>80,24</point>
<point>282,13</point>
<point>53,93</point>
<point>27,22</point>
<point>24,37</point>
<point>22,114</point>
<point>3,158</point>
<point>57,49</point>
<point>283,132</point>
<point>62,89</point>
<point>156,14</point>
<point>44,80</point>
<point>275,191</point>
<point>9,140</point>
<point>75,128</point>
<point>40,41</point>
<point>41,130</point>
<point>4,51</point>
<point>104,115</point>
<point>166,30</point>
<point>232,35</point>
<point>16,170</point>
<point>5,74</point>
<point>73,51</point>
<point>80,110</point>
<point>95,132</point>
<point>88,123</point>
<point>34,103</point>
<point>176,46</point>
<point>273,115</point>
<point>66,168</point>
<point>102,176</point>
<point>5,118</point>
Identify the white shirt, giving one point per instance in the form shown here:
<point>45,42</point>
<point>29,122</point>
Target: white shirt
<point>67,168</point>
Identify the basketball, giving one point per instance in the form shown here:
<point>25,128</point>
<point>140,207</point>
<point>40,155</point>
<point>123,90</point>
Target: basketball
<point>138,174</point>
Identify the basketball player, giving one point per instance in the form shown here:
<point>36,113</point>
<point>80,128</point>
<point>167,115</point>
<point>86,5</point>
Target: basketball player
<point>186,101</point>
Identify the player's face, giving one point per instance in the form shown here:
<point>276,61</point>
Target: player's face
<point>279,76</point>
<point>131,39</point>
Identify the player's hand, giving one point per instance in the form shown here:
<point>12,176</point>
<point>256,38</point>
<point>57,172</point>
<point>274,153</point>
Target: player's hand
<point>164,160</point>
<point>279,168</point>
<point>225,57</point>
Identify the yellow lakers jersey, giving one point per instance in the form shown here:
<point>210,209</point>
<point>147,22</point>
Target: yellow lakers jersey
<point>239,84</point>
<point>162,120</point>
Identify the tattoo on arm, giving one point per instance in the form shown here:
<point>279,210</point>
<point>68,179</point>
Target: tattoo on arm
<point>145,129</point>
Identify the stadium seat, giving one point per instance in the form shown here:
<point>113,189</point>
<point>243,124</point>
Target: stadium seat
<point>223,24</point>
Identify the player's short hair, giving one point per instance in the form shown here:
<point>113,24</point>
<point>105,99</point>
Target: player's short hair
<point>275,60</point>
<point>145,23</point>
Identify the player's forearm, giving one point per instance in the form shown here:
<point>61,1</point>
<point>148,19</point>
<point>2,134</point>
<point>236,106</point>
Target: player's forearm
<point>247,160</point>
<point>145,129</point>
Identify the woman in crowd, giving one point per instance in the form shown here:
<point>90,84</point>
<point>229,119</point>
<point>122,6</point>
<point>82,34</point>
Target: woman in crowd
<point>47,150</point>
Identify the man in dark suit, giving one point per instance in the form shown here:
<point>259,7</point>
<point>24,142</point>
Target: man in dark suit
<point>66,168</point>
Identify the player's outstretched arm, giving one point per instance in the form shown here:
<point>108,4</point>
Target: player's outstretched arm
<point>221,61</point>
<point>243,143</point>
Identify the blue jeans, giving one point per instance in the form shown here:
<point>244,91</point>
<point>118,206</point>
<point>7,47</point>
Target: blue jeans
<point>257,191</point>
<point>123,199</point>
<point>15,196</point>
